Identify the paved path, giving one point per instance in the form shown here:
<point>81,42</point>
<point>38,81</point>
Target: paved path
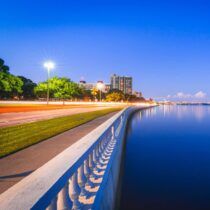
<point>15,167</point>
<point>9,119</point>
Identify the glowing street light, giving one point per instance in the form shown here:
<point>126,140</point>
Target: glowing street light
<point>49,65</point>
<point>100,86</point>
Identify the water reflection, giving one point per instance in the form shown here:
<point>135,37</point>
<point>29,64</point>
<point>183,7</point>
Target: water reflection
<point>181,111</point>
<point>167,162</point>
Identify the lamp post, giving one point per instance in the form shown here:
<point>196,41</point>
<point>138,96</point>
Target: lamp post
<point>48,65</point>
<point>100,86</point>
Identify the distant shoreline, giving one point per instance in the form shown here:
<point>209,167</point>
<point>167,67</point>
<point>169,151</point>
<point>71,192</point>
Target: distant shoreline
<point>185,103</point>
<point>203,104</point>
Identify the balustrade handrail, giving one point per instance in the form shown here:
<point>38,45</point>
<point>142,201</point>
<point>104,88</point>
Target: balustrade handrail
<point>60,183</point>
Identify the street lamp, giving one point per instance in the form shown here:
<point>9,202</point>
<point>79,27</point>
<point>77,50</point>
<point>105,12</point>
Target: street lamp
<point>48,65</point>
<point>100,86</point>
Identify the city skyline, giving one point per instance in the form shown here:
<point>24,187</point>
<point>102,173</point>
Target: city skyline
<point>105,104</point>
<point>165,48</point>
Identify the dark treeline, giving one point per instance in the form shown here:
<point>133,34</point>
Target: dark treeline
<point>61,88</point>
<point>14,87</point>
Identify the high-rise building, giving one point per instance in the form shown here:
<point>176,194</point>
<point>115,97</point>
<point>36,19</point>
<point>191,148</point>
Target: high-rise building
<point>122,83</point>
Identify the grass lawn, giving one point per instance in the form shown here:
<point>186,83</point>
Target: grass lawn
<point>18,137</point>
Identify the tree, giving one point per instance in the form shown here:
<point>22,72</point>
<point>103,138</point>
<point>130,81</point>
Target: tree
<point>94,92</point>
<point>3,68</point>
<point>114,96</point>
<point>41,90</point>
<point>60,88</point>
<point>85,94</point>
<point>10,85</point>
<point>64,88</point>
<point>115,91</point>
<point>27,88</point>
<point>134,98</point>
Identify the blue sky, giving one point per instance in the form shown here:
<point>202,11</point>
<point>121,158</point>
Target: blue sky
<point>164,45</point>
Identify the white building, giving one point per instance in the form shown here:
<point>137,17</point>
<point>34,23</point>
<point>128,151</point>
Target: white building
<point>90,86</point>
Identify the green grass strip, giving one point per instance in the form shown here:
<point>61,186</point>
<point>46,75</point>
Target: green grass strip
<point>21,136</point>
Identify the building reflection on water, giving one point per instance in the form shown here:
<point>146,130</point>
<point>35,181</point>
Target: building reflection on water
<point>180,111</point>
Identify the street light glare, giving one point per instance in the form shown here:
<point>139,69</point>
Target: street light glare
<point>100,85</point>
<point>49,65</point>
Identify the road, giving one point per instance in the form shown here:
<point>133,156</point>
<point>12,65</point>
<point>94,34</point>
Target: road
<point>10,119</point>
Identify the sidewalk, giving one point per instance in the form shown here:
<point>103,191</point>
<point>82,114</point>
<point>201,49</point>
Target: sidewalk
<point>16,166</point>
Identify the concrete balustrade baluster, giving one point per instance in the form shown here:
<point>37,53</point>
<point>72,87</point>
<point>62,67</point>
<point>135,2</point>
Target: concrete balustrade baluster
<point>116,125</point>
<point>74,191</point>
<point>94,163</point>
<point>121,118</point>
<point>113,132</point>
<point>106,140</point>
<point>117,128</point>
<point>95,156</point>
<point>110,143</point>
<point>102,144</point>
<point>99,148</point>
<point>90,161</point>
<point>53,204</point>
<point>97,152</point>
<point>107,152</point>
<point>82,180</point>
<point>120,125</point>
<point>104,154</point>
<point>101,160</point>
<point>64,202</point>
<point>108,137</point>
<point>87,172</point>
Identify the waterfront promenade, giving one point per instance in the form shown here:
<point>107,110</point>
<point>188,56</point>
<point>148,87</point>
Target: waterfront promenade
<point>16,166</point>
<point>85,175</point>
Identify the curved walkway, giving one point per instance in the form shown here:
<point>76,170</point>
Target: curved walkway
<point>16,166</point>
